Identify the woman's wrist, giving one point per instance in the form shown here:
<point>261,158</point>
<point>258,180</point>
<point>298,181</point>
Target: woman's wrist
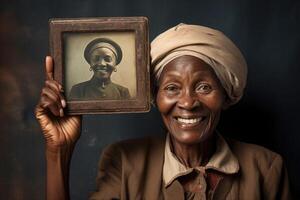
<point>59,155</point>
<point>58,163</point>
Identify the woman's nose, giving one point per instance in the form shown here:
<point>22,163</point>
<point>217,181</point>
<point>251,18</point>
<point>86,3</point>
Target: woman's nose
<point>102,62</point>
<point>188,101</point>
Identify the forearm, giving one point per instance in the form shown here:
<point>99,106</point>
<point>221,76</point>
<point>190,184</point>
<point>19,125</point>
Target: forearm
<point>57,180</point>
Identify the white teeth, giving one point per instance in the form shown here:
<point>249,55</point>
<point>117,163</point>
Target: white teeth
<point>189,121</point>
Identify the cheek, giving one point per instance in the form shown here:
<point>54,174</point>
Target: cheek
<point>92,63</point>
<point>165,103</point>
<point>110,63</point>
<point>214,102</point>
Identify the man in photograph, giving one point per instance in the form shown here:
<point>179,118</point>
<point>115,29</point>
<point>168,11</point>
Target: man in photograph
<point>103,55</point>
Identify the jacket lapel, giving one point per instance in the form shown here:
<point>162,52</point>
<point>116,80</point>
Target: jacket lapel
<point>225,188</point>
<point>153,170</point>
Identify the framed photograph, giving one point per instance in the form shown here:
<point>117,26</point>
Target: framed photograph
<point>102,63</point>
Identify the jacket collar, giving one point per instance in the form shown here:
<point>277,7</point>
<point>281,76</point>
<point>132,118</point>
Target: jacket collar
<point>96,82</point>
<point>223,160</point>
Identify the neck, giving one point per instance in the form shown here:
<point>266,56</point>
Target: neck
<point>193,155</point>
<point>101,80</point>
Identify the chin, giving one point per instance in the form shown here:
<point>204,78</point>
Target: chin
<point>190,137</point>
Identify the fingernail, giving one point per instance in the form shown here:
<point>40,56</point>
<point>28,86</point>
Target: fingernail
<point>63,103</point>
<point>61,112</point>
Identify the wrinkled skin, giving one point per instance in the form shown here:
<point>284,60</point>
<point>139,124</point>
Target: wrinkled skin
<point>190,99</point>
<point>59,130</point>
<point>61,134</point>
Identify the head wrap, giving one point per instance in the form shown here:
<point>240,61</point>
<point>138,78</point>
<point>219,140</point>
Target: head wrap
<point>103,43</point>
<point>211,46</point>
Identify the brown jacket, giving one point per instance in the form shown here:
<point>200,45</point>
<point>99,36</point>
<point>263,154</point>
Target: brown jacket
<point>133,170</point>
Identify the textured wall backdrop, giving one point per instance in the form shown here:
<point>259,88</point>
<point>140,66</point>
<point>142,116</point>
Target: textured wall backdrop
<point>267,32</point>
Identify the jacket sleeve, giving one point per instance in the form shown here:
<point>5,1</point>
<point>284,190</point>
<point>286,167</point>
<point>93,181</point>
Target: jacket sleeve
<point>276,183</point>
<point>109,175</point>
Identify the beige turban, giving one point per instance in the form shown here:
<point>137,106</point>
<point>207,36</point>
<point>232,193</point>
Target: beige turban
<point>211,46</point>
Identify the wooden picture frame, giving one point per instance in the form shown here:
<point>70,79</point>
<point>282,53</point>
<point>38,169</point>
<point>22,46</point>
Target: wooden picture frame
<point>72,46</point>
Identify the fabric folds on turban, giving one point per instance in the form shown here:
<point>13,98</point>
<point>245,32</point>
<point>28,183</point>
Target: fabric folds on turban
<point>211,46</point>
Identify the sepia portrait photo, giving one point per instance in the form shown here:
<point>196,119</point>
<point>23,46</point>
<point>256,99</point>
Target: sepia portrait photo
<point>100,66</point>
<point>102,63</point>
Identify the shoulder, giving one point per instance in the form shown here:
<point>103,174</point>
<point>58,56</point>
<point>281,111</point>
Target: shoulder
<point>261,170</point>
<point>119,87</point>
<point>79,86</point>
<point>135,156</point>
<point>252,150</point>
<point>78,90</point>
<point>131,164</point>
<point>252,156</point>
<point>136,146</point>
<point>136,151</point>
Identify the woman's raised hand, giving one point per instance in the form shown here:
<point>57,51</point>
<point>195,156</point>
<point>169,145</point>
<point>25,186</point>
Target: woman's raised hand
<point>60,131</point>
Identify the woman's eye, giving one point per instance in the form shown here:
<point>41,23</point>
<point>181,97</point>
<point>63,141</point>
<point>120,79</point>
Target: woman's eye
<point>107,59</point>
<point>172,88</point>
<point>95,58</point>
<point>204,88</point>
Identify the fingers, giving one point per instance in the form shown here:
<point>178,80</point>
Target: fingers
<point>52,98</point>
<point>57,88</point>
<point>48,104</point>
<point>49,68</point>
<point>53,101</point>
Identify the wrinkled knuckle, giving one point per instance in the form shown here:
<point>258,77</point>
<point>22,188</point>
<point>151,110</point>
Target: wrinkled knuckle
<point>55,82</point>
<point>44,91</point>
<point>56,98</point>
<point>44,105</point>
<point>42,100</point>
<point>50,103</point>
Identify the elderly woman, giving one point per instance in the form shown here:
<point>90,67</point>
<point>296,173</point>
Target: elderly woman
<point>103,55</point>
<point>197,72</point>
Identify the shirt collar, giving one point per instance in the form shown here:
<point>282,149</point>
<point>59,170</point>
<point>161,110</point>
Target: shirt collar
<point>95,81</point>
<point>223,160</point>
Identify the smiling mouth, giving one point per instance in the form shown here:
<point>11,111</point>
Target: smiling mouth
<point>101,69</point>
<point>189,121</point>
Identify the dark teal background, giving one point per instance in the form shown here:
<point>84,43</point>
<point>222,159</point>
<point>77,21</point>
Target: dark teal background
<point>267,32</point>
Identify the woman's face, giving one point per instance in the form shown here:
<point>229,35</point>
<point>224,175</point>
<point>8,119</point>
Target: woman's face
<point>190,99</point>
<point>103,62</point>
